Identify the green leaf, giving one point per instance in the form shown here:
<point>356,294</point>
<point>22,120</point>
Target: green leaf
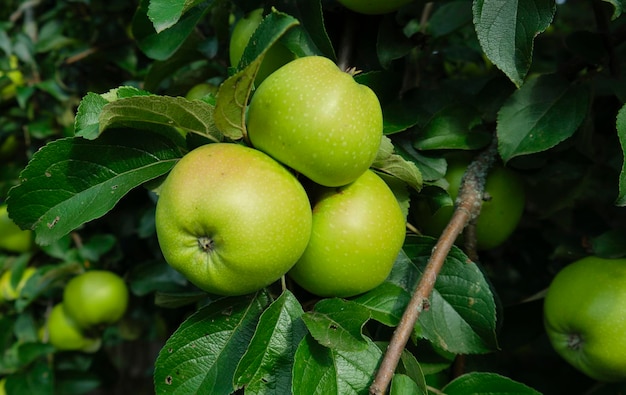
<point>506,30</point>
<point>203,353</point>
<point>161,113</point>
<point>266,366</point>
<point>232,98</point>
<point>431,168</point>
<point>479,383</point>
<point>544,112</point>
<point>453,127</point>
<point>391,43</point>
<point>310,37</point>
<point>72,181</point>
<point>38,379</point>
<point>401,169</point>
<point>404,385</point>
<point>321,370</point>
<point>86,123</point>
<point>338,324</point>
<point>621,134</point>
<point>162,45</point>
<point>386,303</point>
<point>450,17</point>
<point>461,315</point>
<point>154,276</point>
<point>618,7</point>
<point>269,31</point>
<point>165,13</point>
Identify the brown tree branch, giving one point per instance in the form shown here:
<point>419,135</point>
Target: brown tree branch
<point>468,205</point>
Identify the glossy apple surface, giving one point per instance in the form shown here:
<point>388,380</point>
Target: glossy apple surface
<point>374,7</point>
<point>96,297</point>
<point>275,57</point>
<point>318,120</point>
<point>585,317</point>
<point>65,335</point>
<point>12,238</point>
<point>231,219</point>
<point>358,231</point>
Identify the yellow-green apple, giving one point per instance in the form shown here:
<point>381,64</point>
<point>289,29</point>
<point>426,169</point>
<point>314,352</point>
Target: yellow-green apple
<point>318,120</point>
<point>231,219</point>
<point>358,231</point>
<point>95,297</point>
<point>585,319</point>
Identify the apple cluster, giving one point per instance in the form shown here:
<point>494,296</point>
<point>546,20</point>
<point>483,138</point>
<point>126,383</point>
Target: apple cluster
<point>299,199</point>
<point>91,300</point>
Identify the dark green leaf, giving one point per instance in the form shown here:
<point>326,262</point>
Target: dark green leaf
<point>338,324</point>
<point>72,181</point>
<point>618,7</point>
<point>461,316</point>
<point>507,29</point>
<point>269,31</point>
<point>203,353</point>
<point>321,370</point>
<point>449,17</point>
<point>453,127</point>
<point>404,385</point>
<point>621,134</point>
<point>310,38</point>
<point>173,300</point>
<point>38,379</point>
<point>165,13</point>
<point>266,366</point>
<point>386,303</point>
<point>401,169</point>
<point>161,46</point>
<point>392,43</point>
<point>541,114</point>
<point>154,276</point>
<point>479,383</point>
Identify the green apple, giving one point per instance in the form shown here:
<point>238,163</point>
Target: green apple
<point>95,297</point>
<point>374,7</point>
<point>3,382</point>
<point>585,317</point>
<point>8,292</point>
<point>318,120</point>
<point>15,76</point>
<point>231,219</point>
<point>65,334</point>
<point>200,90</point>
<point>358,231</point>
<point>500,213</point>
<point>12,238</point>
<point>275,57</point>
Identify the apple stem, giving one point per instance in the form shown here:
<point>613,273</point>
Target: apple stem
<point>345,48</point>
<point>468,204</point>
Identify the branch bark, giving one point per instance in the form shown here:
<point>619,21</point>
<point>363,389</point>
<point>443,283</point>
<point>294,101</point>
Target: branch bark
<point>468,204</point>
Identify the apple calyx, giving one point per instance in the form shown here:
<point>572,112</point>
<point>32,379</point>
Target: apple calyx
<point>206,243</point>
<point>575,341</point>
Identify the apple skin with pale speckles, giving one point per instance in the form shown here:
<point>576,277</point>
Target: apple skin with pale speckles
<point>357,233</point>
<point>316,119</point>
<point>231,219</point>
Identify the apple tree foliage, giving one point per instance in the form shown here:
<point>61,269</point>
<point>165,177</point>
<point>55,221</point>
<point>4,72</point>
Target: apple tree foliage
<point>101,119</point>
